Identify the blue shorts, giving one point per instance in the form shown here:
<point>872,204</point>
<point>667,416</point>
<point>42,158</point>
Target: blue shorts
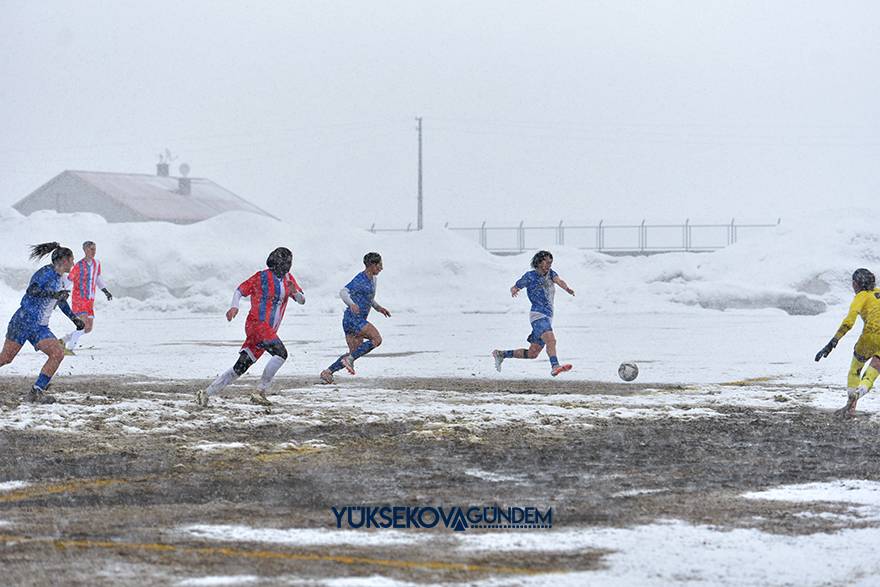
<point>539,327</point>
<point>352,324</point>
<point>20,331</point>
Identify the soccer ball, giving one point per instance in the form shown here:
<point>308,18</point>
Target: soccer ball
<point>628,371</point>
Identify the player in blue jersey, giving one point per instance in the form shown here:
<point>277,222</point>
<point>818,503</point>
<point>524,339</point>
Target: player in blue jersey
<point>359,297</point>
<point>540,285</point>
<point>31,321</point>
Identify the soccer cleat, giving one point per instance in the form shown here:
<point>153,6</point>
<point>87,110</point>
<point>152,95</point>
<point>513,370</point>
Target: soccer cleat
<point>348,363</point>
<point>260,399</point>
<point>326,376</point>
<point>852,398</point>
<point>499,358</point>
<point>202,398</point>
<point>38,396</point>
<point>560,369</point>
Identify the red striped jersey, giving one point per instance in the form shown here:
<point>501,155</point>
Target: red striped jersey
<point>269,296</point>
<point>86,278</point>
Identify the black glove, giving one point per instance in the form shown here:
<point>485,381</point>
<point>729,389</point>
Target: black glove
<point>826,350</point>
<point>61,295</point>
<point>107,293</point>
<point>78,322</point>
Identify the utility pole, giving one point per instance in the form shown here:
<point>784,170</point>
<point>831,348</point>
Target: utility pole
<point>419,218</point>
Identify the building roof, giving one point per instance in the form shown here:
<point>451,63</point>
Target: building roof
<point>135,197</point>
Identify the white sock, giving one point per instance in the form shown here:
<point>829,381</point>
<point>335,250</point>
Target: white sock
<point>222,381</point>
<point>269,372</point>
<point>73,339</point>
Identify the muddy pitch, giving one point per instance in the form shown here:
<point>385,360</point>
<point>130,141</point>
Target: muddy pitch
<point>105,504</point>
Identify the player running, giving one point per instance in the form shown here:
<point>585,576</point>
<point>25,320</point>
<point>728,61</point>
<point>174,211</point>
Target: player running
<point>539,285</point>
<point>269,291</point>
<point>867,305</point>
<point>361,336</point>
<point>31,321</point>
<point>85,279</point>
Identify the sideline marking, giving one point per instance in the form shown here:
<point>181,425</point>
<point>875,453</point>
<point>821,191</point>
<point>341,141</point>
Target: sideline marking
<point>272,554</point>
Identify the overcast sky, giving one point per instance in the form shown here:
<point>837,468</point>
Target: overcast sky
<point>540,111</point>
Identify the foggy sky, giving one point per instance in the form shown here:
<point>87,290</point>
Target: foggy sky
<point>543,111</point>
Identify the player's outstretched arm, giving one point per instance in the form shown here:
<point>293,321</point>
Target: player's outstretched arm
<point>381,309</point>
<point>558,281</point>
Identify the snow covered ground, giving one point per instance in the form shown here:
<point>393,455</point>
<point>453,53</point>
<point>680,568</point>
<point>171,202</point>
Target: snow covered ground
<point>738,327</point>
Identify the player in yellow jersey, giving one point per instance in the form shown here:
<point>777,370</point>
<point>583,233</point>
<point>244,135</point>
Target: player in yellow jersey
<point>867,305</point>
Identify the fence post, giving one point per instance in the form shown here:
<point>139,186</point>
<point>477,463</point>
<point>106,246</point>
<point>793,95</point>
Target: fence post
<point>446,225</point>
<point>600,238</point>
<point>483,240</point>
<point>521,237</point>
<point>686,229</point>
<point>643,236</point>
<point>732,230</point>
<point>560,234</point>
<point>373,228</point>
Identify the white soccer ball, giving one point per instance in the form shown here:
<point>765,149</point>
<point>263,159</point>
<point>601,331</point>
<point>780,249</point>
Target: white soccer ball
<point>628,371</point>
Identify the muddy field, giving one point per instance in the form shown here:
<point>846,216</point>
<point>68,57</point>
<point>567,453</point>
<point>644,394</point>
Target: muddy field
<point>116,473</point>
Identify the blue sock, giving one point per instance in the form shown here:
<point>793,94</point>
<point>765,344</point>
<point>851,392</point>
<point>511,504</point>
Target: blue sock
<point>362,350</point>
<point>43,381</point>
<point>508,354</point>
<point>554,362</point>
<point>336,366</point>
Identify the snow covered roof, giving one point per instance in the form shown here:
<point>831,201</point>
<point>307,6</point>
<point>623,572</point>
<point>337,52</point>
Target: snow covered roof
<point>133,197</point>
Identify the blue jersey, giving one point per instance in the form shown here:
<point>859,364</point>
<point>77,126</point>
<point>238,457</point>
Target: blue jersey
<point>540,289</point>
<point>37,310</point>
<point>362,290</point>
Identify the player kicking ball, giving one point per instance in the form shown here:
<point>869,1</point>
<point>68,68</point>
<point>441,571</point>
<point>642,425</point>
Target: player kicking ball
<point>540,285</point>
<point>269,291</point>
<point>867,305</point>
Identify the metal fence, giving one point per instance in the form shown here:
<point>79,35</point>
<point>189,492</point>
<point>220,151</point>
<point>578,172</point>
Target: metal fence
<point>621,238</point>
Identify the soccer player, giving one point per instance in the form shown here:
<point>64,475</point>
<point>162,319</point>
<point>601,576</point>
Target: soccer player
<point>31,321</point>
<point>359,297</point>
<point>269,291</point>
<point>85,279</point>
<point>867,305</point>
<point>539,285</point>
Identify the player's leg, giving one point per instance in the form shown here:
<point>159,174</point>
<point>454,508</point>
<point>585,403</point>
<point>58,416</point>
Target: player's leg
<point>244,362</point>
<point>370,338</point>
<point>72,339</point>
<point>9,352</point>
<point>278,353</point>
<point>48,345</point>
<point>860,379</point>
<point>555,367</point>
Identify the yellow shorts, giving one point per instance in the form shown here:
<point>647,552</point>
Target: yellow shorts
<point>867,346</point>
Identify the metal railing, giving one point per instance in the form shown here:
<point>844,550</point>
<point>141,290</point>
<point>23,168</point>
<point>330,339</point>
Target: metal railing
<point>622,238</point>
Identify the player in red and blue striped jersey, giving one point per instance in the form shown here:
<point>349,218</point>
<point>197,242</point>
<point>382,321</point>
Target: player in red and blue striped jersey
<point>269,291</point>
<point>84,281</point>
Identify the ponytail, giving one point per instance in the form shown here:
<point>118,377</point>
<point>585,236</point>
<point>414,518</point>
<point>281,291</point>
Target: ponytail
<point>58,252</point>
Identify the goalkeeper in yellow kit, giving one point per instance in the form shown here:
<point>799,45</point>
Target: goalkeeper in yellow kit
<point>867,305</point>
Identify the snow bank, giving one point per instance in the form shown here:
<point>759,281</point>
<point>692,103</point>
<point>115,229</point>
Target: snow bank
<point>801,267</point>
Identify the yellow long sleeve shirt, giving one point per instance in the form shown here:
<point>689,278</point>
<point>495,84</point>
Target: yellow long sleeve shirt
<point>867,305</point>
